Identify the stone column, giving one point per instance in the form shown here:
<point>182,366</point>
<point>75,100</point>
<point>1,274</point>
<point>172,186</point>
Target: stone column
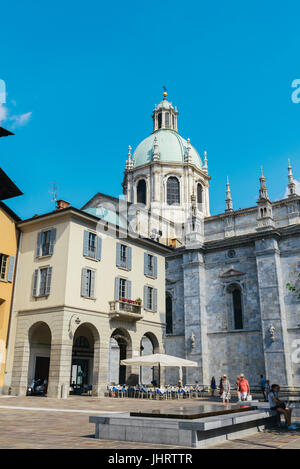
<point>60,367</point>
<point>100,379</point>
<point>195,316</point>
<point>273,314</point>
<point>19,380</point>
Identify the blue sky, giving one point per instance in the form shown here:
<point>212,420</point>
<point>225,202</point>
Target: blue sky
<point>82,79</point>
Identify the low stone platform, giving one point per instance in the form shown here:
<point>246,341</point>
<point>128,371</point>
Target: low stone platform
<point>189,433</point>
<point>195,412</point>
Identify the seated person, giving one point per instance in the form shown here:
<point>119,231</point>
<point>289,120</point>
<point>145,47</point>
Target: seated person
<point>279,406</point>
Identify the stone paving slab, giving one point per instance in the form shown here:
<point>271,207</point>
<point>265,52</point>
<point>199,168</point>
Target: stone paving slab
<point>52,429</point>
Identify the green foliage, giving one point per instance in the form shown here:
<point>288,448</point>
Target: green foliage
<point>293,289</point>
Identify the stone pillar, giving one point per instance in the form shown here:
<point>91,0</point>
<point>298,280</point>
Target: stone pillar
<point>60,367</point>
<point>101,378</point>
<point>273,314</point>
<point>19,382</point>
<point>195,316</point>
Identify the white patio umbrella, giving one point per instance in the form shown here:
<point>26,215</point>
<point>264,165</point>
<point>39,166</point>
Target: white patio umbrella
<point>158,359</point>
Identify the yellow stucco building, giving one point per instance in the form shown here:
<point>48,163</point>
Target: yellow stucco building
<point>9,235</point>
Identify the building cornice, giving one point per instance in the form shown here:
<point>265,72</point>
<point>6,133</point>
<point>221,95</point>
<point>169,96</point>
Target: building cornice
<point>74,212</point>
<point>242,240</point>
<point>172,165</point>
<point>245,211</point>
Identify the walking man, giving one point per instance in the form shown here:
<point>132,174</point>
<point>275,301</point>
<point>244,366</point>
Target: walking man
<point>263,385</point>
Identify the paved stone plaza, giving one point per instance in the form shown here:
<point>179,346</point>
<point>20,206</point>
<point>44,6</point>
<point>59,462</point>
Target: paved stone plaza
<point>65,424</point>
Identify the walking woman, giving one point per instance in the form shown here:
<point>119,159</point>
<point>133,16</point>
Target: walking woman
<point>213,386</point>
<point>226,390</point>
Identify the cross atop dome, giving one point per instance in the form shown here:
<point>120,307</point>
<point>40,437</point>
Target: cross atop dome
<point>164,115</point>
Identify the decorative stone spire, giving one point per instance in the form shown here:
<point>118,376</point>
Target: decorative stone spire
<point>229,207</point>
<point>263,191</point>
<point>129,162</point>
<point>205,167</point>
<point>188,156</point>
<point>265,213</point>
<point>156,156</point>
<point>291,184</point>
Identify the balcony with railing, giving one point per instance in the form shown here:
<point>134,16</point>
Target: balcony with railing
<point>119,309</point>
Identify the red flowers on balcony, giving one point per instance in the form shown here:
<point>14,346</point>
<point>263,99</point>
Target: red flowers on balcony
<point>131,302</point>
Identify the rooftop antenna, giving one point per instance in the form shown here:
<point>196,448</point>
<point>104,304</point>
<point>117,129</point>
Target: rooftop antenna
<point>53,192</point>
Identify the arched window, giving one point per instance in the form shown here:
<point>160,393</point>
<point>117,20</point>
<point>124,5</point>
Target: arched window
<point>167,119</point>
<point>237,307</point>
<point>169,314</point>
<point>141,192</point>
<point>199,195</point>
<point>173,191</point>
<point>159,120</point>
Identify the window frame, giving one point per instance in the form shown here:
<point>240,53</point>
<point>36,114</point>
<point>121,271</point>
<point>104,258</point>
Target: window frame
<point>92,245</point>
<point>42,281</point>
<point>150,265</point>
<point>91,288</point>
<point>138,192</point>
<point>170,192</point>
<point>237,309</point>
<point>38,282</point>
<point>4,261</point>
<point>169,324</point>
<point>230,289</point>
<point>150,301</point>
<point>122,286</point>
<point>45,242</point>
<point>123,254</point>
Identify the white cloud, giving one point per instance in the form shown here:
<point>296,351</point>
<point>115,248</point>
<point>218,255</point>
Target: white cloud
<point>297,185</point>
<point>3,113</point>
<point>16,120</point>
<point>21,119</point>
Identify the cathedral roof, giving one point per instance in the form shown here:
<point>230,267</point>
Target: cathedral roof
<point>172,148</point>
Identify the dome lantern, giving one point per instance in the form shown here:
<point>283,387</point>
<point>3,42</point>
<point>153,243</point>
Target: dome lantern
<point>164,115</point>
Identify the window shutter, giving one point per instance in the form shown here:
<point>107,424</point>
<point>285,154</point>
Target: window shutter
<point>128,289</point>
<point>118,254</point>
<point>38,244</point>
<point>93,274</point>
<point>155,266</point>
<point>129,257</point>
<point>99,247</point>
<point>35,282</point>
<point>145,297</point>
<point>84,291</point>
<point>86,243</point>
<point>10,274</point>
<point>154,299</point>
<point>48,281</point>
<point>145,263</point>
<point>52,240</point>
<point>117,288</point>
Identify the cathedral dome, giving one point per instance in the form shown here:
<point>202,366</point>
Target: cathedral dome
<point>172,148</point>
